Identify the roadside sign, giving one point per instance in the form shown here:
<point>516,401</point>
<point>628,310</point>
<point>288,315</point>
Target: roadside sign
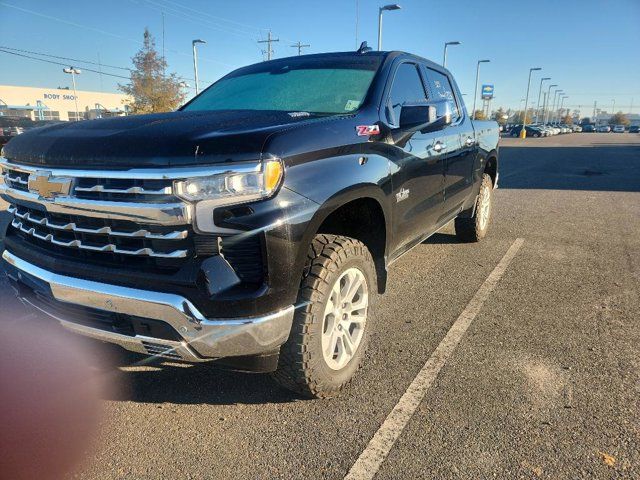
<point>487,92</point>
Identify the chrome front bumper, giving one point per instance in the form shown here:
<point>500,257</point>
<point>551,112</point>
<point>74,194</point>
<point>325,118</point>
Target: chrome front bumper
<point>202,338</point>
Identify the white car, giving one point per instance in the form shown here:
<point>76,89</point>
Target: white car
<point>603,129</point>
<point>618,129</point>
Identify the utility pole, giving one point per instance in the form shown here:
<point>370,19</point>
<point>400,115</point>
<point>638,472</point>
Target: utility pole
<point>269,41</point>
<point>299,46</point>
<point>595,106</point>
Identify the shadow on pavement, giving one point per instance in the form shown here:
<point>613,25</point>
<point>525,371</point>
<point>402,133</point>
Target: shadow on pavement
<point>612,167</point>
<point>141,379</point>
<point>440,238</point>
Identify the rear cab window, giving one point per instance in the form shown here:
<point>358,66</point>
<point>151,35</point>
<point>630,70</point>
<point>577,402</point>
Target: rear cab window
<point>442,89</point>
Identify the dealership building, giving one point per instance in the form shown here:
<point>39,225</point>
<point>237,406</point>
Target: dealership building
<point>60,103</point>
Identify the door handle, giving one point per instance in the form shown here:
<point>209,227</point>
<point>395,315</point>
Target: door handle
<point>469,142</point>
<point>439,146</point>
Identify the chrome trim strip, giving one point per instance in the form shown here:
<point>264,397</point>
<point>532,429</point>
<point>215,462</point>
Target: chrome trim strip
<point>212,338</point>
<point>108,247</point>
<point>171,173</point>
<point>130,190</point>
<point>153,213</point>
<point>177,235</point>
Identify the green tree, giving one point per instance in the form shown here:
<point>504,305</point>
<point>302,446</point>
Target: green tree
<point>619,119</point>
<point>499,116</point>
<point>151,88</point>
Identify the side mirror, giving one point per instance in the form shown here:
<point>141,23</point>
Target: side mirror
<point>426,117</point>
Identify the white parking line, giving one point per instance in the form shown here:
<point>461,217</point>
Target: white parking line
<point>379,446</point>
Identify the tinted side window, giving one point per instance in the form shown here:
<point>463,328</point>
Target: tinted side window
<point>441,88</point>
<point>407,87</point>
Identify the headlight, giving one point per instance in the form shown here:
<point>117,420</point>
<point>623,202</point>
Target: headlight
<point>237,184</point>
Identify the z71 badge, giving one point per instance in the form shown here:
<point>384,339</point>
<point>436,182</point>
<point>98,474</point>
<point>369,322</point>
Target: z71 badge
<point>367,130</point>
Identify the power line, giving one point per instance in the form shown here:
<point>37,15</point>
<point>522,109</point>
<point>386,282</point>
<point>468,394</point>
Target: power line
<point>64,58</point>
<point>77,61</point>
<point>59,63</point>
<point>97,30</point>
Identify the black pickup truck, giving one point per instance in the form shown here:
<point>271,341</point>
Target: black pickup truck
<point>253,227</point>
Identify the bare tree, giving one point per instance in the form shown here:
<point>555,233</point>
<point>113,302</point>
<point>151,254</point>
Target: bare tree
<point>151,88</point>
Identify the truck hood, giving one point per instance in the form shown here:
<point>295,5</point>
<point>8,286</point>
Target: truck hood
<point>156,140</point>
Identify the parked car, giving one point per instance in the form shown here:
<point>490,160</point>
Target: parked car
<point>577,128</point>
<point>588,129</point>
<point>604,129</point>
<point>248,228</point>
<point>531,131</point>
<point>634,129</point>
<point>618,129</point>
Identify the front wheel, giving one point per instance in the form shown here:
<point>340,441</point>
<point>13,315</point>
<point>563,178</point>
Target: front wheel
<point>475,228</point>
<point>331,326</point>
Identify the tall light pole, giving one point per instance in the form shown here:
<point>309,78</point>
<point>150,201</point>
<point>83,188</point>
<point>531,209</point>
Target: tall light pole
<point>444,60</point>
<point>475,92</point>
<point>195,62</point>
<point>391,6</point>
<point>539,93</point>
<point>562,106</point>
<point>74,71</point>
<point>548,101</point>
<point>613,106</point>
<point>523,132</point>
<point>552,114</point>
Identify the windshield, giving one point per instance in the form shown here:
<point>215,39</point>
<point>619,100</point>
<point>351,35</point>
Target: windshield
<point>316,87</point>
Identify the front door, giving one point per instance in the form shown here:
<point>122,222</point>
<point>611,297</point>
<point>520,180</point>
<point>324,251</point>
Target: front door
<point>417,165</point>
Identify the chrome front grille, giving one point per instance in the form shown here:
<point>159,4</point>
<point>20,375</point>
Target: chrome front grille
<point>68,232</point>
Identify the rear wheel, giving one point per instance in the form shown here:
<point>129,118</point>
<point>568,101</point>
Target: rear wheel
<point>475,228</point>
<point>332,323</point>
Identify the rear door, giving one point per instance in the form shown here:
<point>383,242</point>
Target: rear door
<point>417,167</point>
<point>459,138</point>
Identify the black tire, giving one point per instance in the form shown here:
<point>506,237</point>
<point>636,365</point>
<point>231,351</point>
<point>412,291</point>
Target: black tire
<point>301,366</point>
<point>473,229</point>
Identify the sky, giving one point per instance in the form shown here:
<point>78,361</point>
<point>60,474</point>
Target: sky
<point>590,48</point>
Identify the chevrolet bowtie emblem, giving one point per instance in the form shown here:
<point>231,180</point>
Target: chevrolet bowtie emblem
<point>47,186</point>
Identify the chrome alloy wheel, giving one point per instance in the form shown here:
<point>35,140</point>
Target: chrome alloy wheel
<point>484,209</point>
<point>344,318</point>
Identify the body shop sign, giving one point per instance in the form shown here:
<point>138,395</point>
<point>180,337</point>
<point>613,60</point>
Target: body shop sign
<point>58,96</point>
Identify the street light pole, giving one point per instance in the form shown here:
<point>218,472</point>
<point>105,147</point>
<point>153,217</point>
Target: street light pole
<point>561,106</point>
<point>195,62</point>
<point>545,119</point>
<point>539,93</point>
<point>523,132</point>
<point>74,71</point>
<point>392,6</point>
<point>444,60</point>
<point>475,92</point>
<point>552,115</point>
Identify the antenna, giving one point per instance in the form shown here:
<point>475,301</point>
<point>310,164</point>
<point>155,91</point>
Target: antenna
<point>364,48</point>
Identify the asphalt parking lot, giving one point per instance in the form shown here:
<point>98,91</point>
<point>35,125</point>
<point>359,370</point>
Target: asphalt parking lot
<point>544,383</point>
